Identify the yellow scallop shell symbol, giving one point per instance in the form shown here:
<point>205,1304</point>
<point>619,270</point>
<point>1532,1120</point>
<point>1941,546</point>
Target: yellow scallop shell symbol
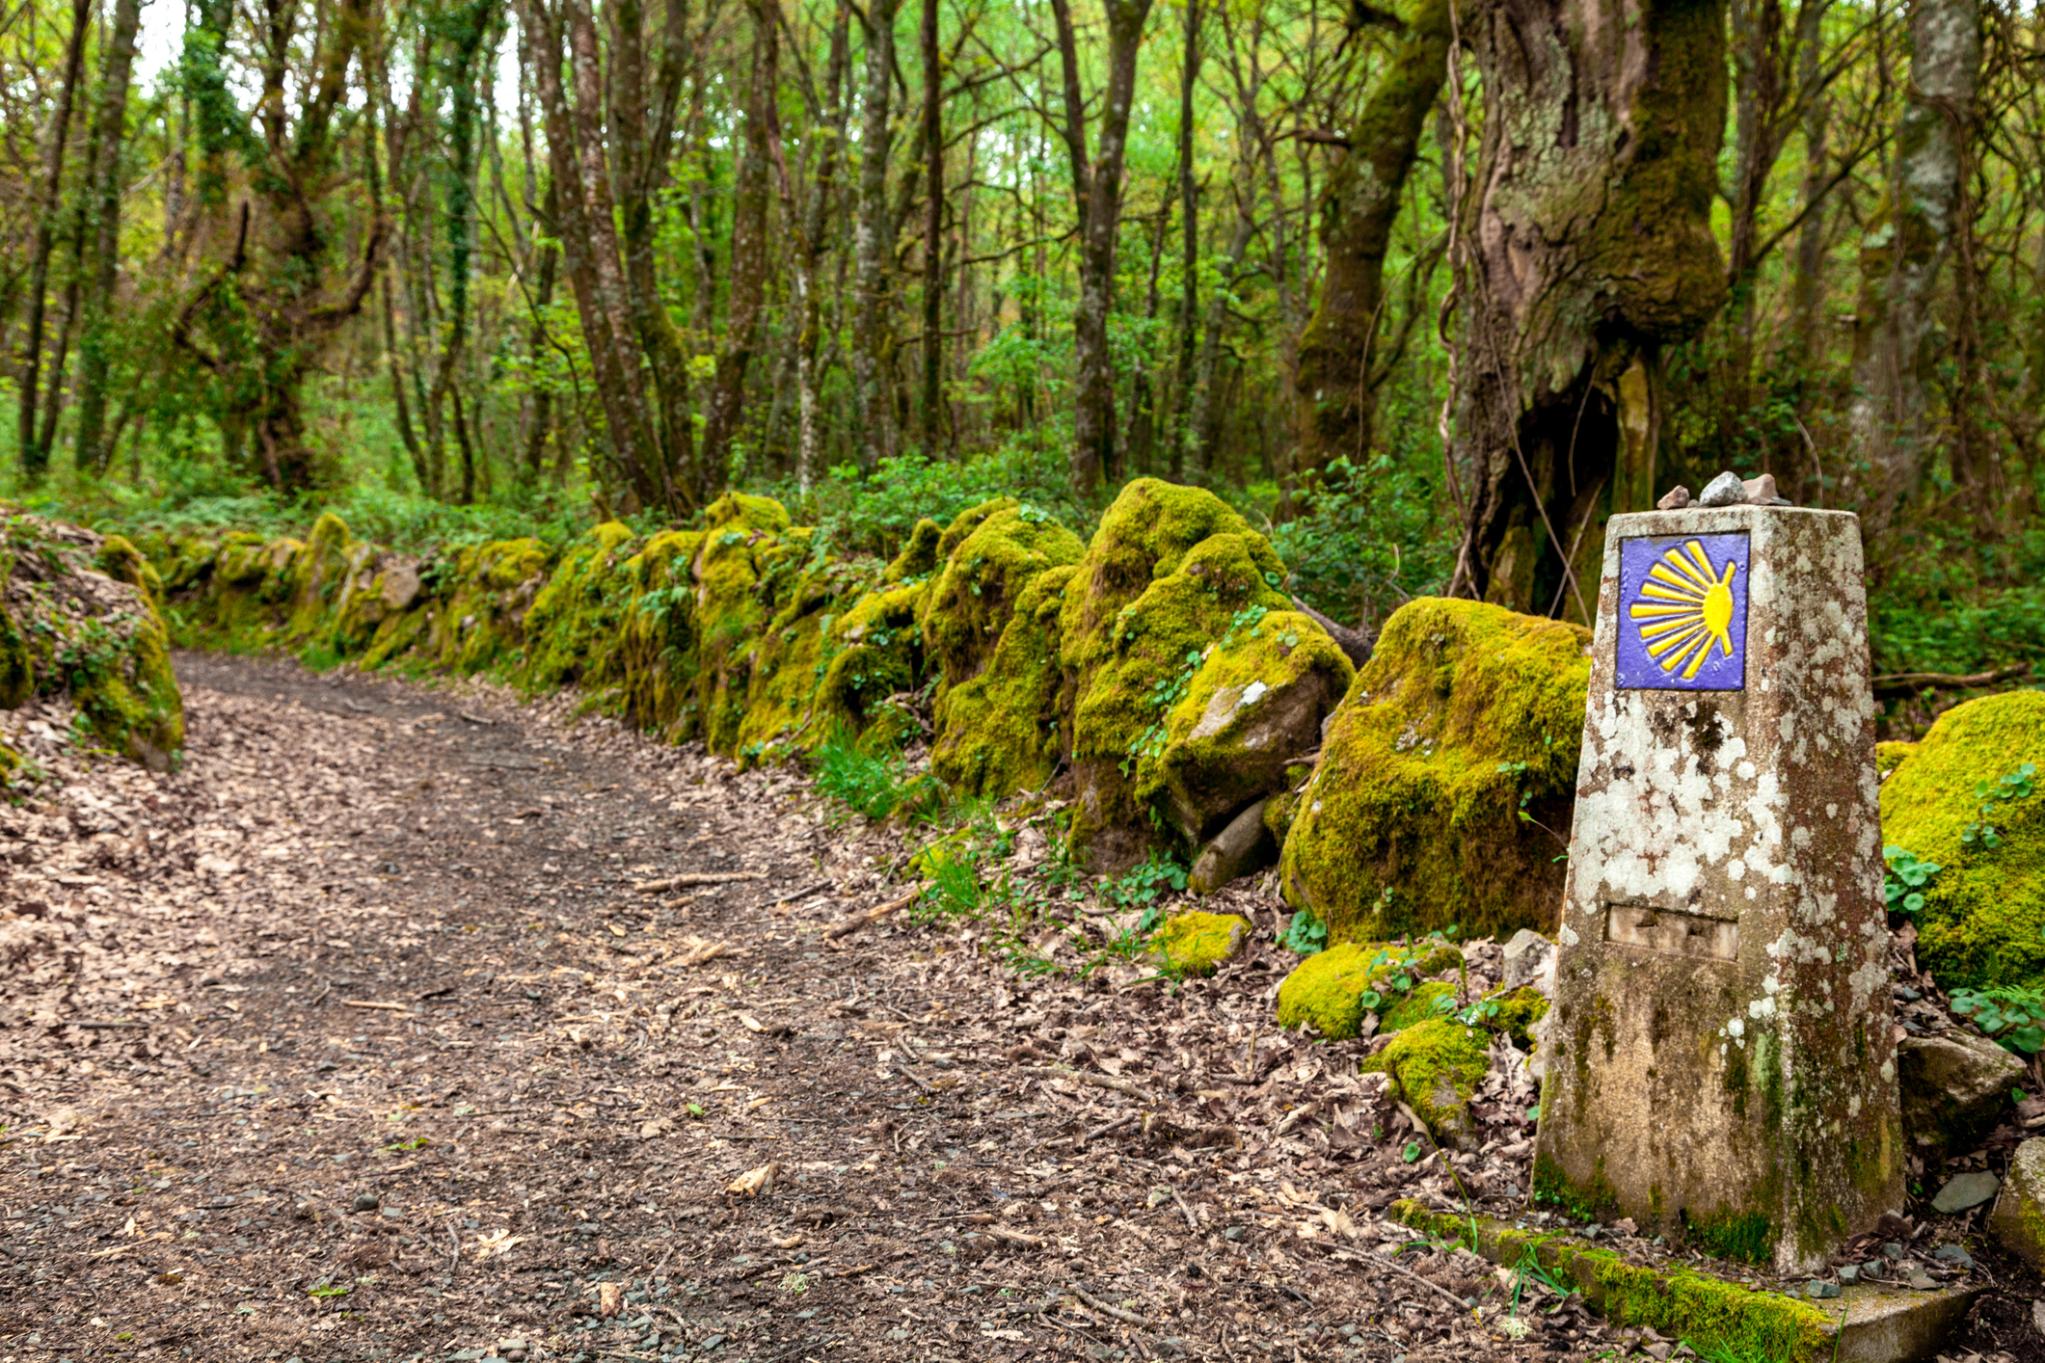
<point>1685,607</point>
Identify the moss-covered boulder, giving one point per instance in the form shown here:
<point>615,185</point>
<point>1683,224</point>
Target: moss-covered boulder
<point>999,732</point>
<point>789,662</point>
<point>575,624</point>
<point>480,594</point>
<point>655,658</point>
<point>1253,706</point>
<point>79,620</point>
<point>876,660</point>
<point>1199,943</point>
<point>1956,800</point>
<point>741,552</point>
<point>1443,792</point>
<point>1171,571</point>
<point>986,558</point>
<point>1331,991</point>
<point>1429,999</point>
<point>1436,1066</point>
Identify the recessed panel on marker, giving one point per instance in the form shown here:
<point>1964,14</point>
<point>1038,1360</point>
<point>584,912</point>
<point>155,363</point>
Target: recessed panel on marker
<point>1683,613</point>
<point>1672,932</point>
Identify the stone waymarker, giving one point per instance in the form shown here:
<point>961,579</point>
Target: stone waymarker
<point>1720,1060</point>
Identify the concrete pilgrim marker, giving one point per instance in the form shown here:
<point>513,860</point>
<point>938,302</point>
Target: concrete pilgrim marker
<point>1720,1061</point>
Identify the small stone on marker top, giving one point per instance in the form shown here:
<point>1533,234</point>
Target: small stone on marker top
<point>1675,499</point>
<point>1724,490</point>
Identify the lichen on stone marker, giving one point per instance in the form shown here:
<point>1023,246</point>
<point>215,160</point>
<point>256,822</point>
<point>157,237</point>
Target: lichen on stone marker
<point>1720,1059</point>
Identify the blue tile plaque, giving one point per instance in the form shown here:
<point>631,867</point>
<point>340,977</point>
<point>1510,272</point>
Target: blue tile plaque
<point>1683,613</point>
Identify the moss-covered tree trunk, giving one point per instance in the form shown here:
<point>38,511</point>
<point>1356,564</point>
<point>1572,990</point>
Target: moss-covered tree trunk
<point>1587,247</point>
<point>1338,374</point>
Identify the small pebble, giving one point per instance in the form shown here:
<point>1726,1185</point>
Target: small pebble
<point>367,1202</point>
<point>1849,1273</point>
<point>1822,1290</point>
<point>1675,499</point>
<point>1953,1254</point>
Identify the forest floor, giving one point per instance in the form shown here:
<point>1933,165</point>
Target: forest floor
<point>411,1022</point>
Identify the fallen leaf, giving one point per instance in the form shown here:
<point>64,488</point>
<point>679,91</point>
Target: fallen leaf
<point>496,1244</point>
<point>755,1182</point>
<point>610,1299</point>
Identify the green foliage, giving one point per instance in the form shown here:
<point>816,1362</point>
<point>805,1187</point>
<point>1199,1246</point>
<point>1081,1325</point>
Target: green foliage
<point>1144,885</point>
<point>1994,795</point>
<point>875,512</point>
<point>1904,882</point>
<point>1370,537</point>
<point>1304,933</point>
<point>873,785</point>
<point>2011,1014</point>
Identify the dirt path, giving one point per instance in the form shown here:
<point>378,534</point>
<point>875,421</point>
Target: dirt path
<point>366,1036</point>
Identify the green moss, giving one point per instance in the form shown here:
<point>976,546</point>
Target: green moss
<point>788,667</point>
<point>741,552</point>
<point>1984,916</point>
<point>987,556</point>
<point>1428,1000</point>
<point>1889,756</point>
<point>919,557</point>
<point>1331,990</point>
<point>475,617</point>
<point>743,510</point>
<point>120,560</point>
<point>1466,716</point>
<point>573,629</point>
<point>999,732</point>
<point>876,652</point>
<point>17,665</point>
<point>1519,1012</point>
<point>1170,570</point>
<point>1253,705</point>
<point>1714,1316</point>
<point>119,675</point>
<point>1436,1066</point>
<point>314,579</point>
<point>1198,943</point>
<point>655,661</point>
<point>1743,1236</point>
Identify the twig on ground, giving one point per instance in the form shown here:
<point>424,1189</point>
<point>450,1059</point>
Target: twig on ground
<point>688,878</point>
<point>375,1005</point>
<point>467,718</point>
<point>1106,1081</point>
<point>1371,1257</point>
<point>804,893</point>
<point>855,922</point>
<point>1094,1303</point>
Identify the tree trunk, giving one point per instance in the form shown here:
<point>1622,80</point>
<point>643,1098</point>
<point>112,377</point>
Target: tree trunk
<point>1097,187</point>
<point>751,199</point>
<point>589,242</point>
<point>1189,242</point>
<point>1905,246</point>
<point>1336,387</point>
<point>93,453</point>
<point>35,455</point>
<point>930,405</point>
<point>872,244</point>
<point>1569,295</point>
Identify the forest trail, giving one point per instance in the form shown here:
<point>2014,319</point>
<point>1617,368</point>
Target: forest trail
<point>390,1028</point>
